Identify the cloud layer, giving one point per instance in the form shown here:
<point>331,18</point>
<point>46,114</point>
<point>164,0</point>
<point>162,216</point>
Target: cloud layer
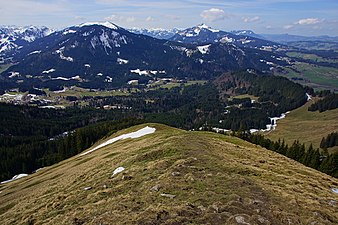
<point>308,21</point>
<point>213,14</point>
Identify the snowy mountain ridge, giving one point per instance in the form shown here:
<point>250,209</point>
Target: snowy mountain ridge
<point>158,33</point>
<point>14,37</point>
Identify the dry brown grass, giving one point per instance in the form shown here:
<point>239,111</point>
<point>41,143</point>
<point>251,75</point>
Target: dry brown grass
<point>216,179</point>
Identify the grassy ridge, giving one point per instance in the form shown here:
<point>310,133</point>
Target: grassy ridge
<point>305,126</point>
<point>208,178</point>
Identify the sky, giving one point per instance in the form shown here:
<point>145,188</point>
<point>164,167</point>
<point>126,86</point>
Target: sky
<point>300,17</point>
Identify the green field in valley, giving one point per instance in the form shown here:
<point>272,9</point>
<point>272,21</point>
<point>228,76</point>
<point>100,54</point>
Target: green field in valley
<point>317,77</point>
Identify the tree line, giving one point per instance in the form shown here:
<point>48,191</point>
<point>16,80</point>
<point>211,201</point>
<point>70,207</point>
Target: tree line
<point>329,102</point>
<point>330,141</point>
<point>31,155</point>
<point>307,156</point>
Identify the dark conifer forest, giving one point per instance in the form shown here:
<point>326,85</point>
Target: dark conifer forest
<point>31,137</point>
<point>329,102</point>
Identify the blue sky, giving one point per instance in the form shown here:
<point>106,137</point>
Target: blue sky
<point>304,17</point>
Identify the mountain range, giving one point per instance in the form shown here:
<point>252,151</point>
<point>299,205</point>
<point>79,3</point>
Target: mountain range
<point>13,38</point>
<point>104,55</point>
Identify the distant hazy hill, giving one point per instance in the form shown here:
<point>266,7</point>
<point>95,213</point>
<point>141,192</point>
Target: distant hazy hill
<point>172,177</point>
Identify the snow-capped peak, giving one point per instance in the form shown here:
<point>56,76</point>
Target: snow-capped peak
<point>204,26</point>
<point>105,24</point>
<point>195,31</point>
<point>242,32</point>
<point>14,37</point>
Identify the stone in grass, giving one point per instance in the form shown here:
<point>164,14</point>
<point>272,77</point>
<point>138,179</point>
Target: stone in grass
<point>241,220</point>
<point>155,188</point>
<point>168,196</point>
<point>175,174</point>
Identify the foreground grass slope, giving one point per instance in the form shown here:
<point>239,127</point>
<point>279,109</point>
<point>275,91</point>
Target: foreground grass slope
<point>173,177</point>
<point>305,126</point>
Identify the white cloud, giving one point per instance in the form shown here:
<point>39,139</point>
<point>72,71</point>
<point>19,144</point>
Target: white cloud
<point>150,19</point>
<point>308,21</point>
<point>251,19</point>
<point>287,27</point>
<point>213,14</point>
<point>116,18</point>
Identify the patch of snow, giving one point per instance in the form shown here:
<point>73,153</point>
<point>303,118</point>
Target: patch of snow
<point>118,170</point>
<point>47,107</point>
<point>227,40</point>
<point>8,95</point>
<point>49,71</point>
<point>69,32</point>
<point>60,78</point>
<point>35,52</point>
<point>132,81</point>
<point>217,130</point>
<point>272,125</point>
<point>204,49</point>
<point>142,132</point>
<point>334,190</point>
<point>109,79</point>
<point>309,97</point>
<point>15,178</point>
<point>77,77</point>
<point>60,52</point>
<point>250,71</point>
<point>167,79</point>
<point>14,74</point>
<point>105,24</point>
<point>104,38</point>
<point>70,59</point>
<point>140,72</point>
<point>253,131</point>
<point>204,26</point>
<point>245,41</point>
<point>122,61</point>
